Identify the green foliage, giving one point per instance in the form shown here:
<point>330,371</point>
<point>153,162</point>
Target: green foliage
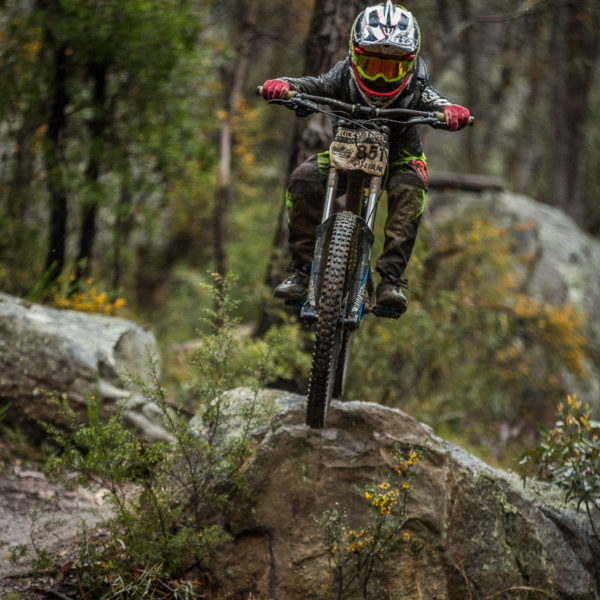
<point>172,499</point>
<point>472,352</point>
<point>569,456</point>
<point>358,557</point>
<point>127,147</point>
<point>278,355</point>
<point>137,142</point>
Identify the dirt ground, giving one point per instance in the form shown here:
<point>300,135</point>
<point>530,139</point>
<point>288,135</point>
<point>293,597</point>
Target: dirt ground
<point>38,516</point>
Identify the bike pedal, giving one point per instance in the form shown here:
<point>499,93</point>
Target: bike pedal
<point>309,316</point>
<point>388,312</point>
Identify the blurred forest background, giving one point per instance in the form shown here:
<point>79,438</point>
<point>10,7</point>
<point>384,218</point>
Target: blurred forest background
<point>135,156</point>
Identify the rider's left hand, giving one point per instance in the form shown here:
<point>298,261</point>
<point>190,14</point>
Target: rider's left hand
<point>457,116</point>
<point>273,89</point>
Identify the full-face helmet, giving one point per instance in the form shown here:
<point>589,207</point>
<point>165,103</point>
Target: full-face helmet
<point>384,45</point>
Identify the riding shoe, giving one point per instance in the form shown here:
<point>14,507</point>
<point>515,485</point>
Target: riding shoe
<point>294,286</point>
<point>389,293</point>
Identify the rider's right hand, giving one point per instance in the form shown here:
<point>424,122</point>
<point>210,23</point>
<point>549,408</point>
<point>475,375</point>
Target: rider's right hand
<point>273,89</point>
<point>457,116</point>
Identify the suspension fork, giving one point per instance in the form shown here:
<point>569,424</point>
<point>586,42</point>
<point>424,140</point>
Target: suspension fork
<point>309,310</point>
<point>372,200</point>
<point>330,193</point>
<point>361,272</point>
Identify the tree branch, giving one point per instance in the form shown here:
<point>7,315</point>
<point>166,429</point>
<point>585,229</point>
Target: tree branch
<point>527,9</point>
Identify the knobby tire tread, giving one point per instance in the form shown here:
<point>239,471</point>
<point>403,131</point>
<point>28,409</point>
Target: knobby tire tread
<point>329,330</point>
<point>343,360</point>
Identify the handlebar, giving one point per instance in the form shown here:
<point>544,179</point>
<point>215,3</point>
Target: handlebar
<point>308,102</point>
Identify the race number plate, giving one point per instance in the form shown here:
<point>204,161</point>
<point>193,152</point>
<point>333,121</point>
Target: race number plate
<point>359,150</point>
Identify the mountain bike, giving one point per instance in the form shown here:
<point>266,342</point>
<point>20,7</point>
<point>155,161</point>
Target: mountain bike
<point>341,287</point>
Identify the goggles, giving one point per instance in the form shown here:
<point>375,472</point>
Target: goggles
<point>372,66</point>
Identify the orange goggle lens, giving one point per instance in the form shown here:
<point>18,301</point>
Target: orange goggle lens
<point>390,69</point>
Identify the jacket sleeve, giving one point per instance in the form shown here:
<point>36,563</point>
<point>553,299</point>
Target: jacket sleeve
<point>432,100</point>
<point>429,98</point>
<point>331,84</point>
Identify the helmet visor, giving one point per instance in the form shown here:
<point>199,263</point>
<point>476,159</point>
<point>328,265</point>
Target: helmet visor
<point>390,69</point>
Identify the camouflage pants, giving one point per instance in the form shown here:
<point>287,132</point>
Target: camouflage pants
<point>406,189</point>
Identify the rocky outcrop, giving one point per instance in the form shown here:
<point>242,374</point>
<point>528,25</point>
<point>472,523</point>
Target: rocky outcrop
<point>73,353</point>
<point>555,261</point>
<point>481,531</point>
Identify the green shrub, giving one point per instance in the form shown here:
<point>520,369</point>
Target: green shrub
<point>280,355</point>
<point>473,353</point>
<point>569,456</point>
<point>172,500</point>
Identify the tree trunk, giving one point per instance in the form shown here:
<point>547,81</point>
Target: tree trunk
<point>55,257</point>
<point>576,27</point>
<point>223,195</point>
<point>89,207</point>
<point>17,205</point>
<point>123,225</point>
<point>523,159</point>
<point>233,83</point>
<point>441,44</point>
<point>469,51</point>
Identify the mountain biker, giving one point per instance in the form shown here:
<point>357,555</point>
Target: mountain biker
<point>383,69</point>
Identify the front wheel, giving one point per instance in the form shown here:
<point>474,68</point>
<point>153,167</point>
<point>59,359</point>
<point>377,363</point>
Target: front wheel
<point>329,337</point>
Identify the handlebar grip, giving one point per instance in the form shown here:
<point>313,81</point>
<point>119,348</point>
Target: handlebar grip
<point>441,117</point>
<point>290,94</point>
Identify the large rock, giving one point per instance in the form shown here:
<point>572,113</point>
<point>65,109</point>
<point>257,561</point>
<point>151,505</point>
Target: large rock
<point>73,353</point>
<point>481,530</point>
<point>556,262</point>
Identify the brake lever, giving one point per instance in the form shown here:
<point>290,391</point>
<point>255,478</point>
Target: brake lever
<point>423,121</point>
<point>279,101</point>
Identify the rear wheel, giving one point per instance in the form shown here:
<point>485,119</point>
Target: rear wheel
<point>331,340</point>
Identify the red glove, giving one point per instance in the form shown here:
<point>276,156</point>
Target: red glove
<point>457,116</point>
<point>273,89</point>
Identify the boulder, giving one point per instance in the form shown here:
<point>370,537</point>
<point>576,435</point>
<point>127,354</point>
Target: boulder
<point>555,262</point>
<point>479,529</point>
<point>72,353</point>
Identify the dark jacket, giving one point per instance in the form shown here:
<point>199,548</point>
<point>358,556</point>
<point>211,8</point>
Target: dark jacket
<point>418,94</point>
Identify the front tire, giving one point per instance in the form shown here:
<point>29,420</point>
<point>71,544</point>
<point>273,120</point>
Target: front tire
<point>329,337</point>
